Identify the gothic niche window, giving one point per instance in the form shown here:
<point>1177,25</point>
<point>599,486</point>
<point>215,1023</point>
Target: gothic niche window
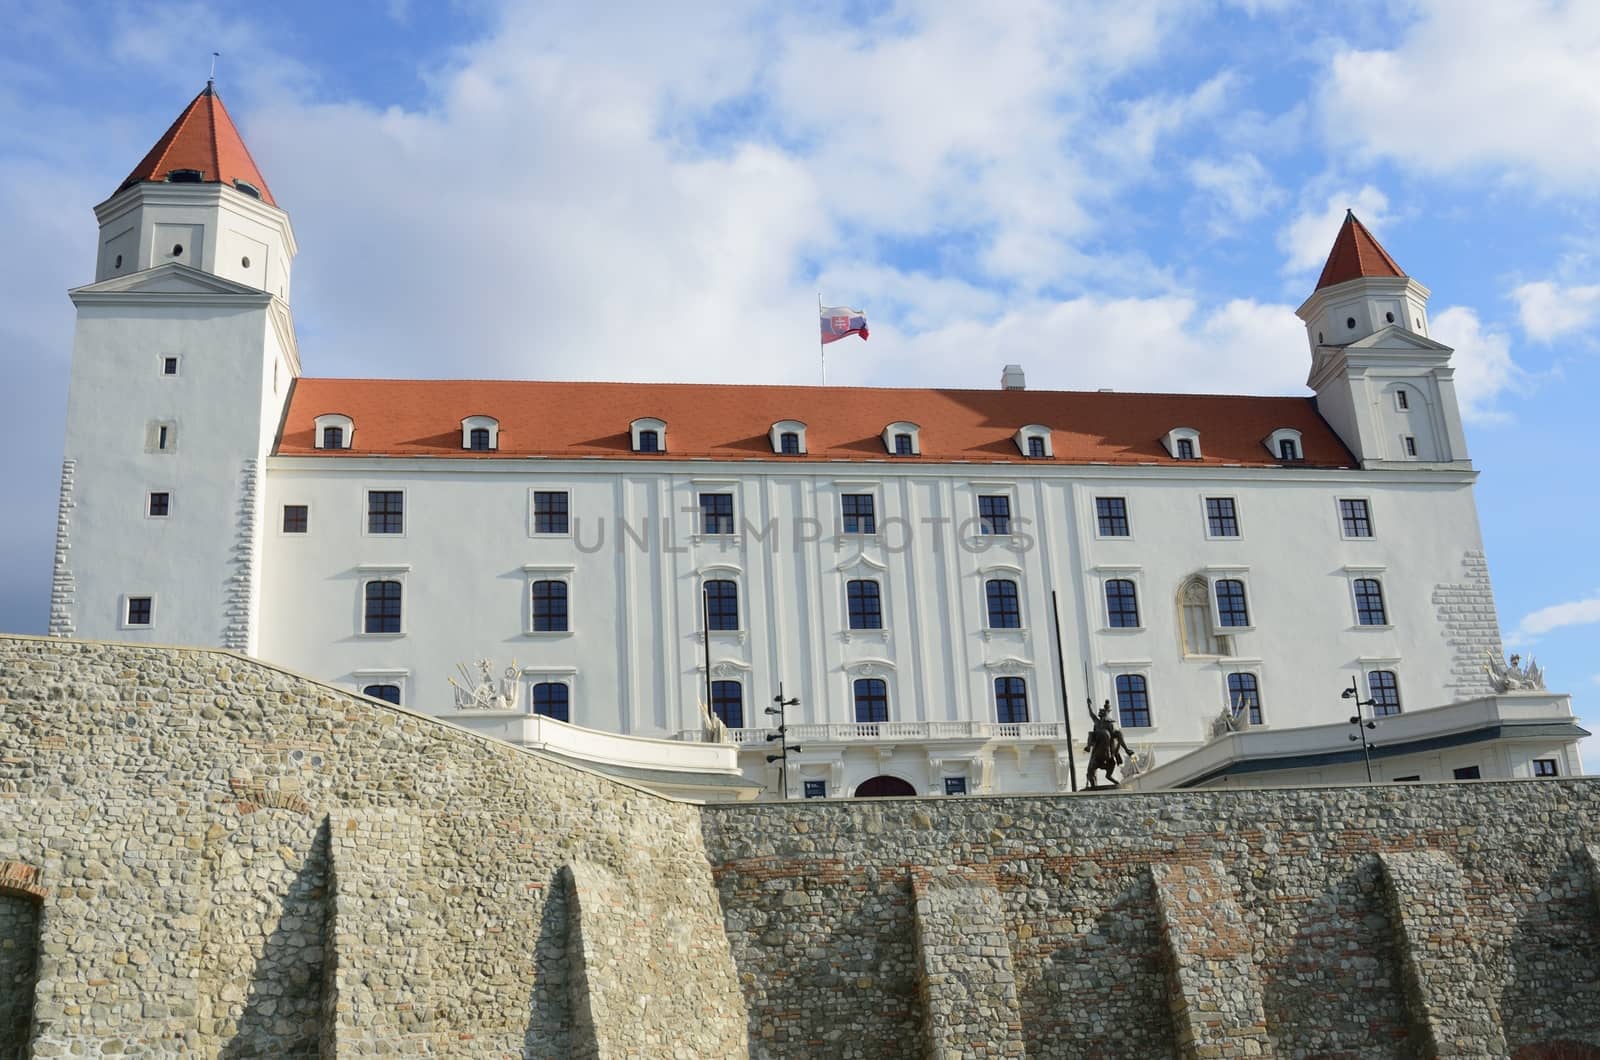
<point>1194,620</point>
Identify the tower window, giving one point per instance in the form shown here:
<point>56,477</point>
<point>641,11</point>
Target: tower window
<point>1355,517</point>
<point>727,703</point>
<point>1350,322</point>
<point>248,188</point>
<point>185,176</point>
<point>295,518</point>
<point>383,607</point>
<point>177,250</point>
<point>1545,767</point>
<point>1222,518</point>
<point>161,438</point>
<point>1389,317</point>
<point>866,604</point>
<point>160,503</point>
<point>1384,692</point>
<point>1005,612</point>
<point>139,610</point>
<point>1244,693</point>
<point>722,606</point>
<point>1369,603</point>
<point>1411,445</point>
<point>386,512</point>
<point>552,699</point>
<point>1402,400</point>
<point>169,366</point>
<point>550,511</point>
<point>1112,514</point>
<point>856,510</point>
<point>1122,604</point>
<point>118,263</point>
<point>245,261</point>
<point>716,513</point>
<point>550,607</point>
<point>1231,609</point>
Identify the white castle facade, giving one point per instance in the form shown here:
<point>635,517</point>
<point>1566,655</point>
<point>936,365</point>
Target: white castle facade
<point>941,580</point>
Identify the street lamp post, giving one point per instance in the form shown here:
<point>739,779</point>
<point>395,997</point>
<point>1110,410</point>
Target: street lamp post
<point>782,736</point>
<point>1361,723</point>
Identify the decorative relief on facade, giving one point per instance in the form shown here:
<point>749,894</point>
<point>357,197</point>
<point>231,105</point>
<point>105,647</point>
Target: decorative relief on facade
<point>482,691</point>
<point>1470,627</point>
<point>1511,675</point>
<point>241,583</point>
<point>1010,665</point>
<point>63,589</point>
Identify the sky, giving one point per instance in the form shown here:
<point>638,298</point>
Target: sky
<point>1119,194</point>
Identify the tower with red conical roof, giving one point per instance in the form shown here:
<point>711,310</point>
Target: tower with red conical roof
<point>1384,385</point>
<point>183,358</point>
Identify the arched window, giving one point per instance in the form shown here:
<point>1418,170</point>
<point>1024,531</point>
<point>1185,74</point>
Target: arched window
<point>1133,701</point>
<point>550,607</point>
<point>722,605</point>
<point>333,430</point>
<point>866,604</point>
<point>552,699</point>
<point>872,700</point>
<point>1004,610</point>
<point>1231,609</point>
<point>1194,619</point>
<point>1369,603</point>
<point>383,607</point>
<point>479,439</point>
<point>1010,700</point>
<point>333,437</point>
<point>727,703</point>
<point>1122,604</point>
<point>387,693</point>
<point>649,441</point>
<point>1244,693</point>
<point>1384,690</point>
<point>789,443</point>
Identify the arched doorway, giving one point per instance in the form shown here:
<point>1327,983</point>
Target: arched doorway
<point>876,787</point>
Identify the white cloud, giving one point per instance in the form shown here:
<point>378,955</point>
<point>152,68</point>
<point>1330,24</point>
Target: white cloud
<point>1557,616</point>
<point>1306,240</point>
<point>1240,188</point>
<point>1482,360</point>
<point>1549,311</point>
<point>1508,85</point>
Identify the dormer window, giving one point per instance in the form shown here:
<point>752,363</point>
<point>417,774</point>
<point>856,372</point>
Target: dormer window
<point>185,176</point>
<point>648,435</point>
<point>334,431</point>
<point>788,437</point>
<point>248,188</point>
<point>903,439</point>
<point>1183,443</point>
<point>1284,443</point>
<point>1034,442</point>
<point>480,433</point>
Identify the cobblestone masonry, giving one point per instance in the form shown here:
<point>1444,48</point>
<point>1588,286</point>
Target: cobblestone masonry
<point>19,952</point>
<point>229,860</point>
<point>190,812</point>
<point>1469,625</point>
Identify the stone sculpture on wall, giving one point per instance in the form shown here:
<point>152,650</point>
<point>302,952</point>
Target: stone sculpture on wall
<point>1513,676</point>
<point>483,692</point>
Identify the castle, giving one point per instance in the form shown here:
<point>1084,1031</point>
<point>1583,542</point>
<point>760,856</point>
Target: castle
<point>940,579</point>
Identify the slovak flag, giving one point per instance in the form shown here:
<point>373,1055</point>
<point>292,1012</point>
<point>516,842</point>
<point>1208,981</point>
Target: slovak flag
<point>839,321</point>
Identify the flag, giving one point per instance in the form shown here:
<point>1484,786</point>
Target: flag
<point>839,321</point>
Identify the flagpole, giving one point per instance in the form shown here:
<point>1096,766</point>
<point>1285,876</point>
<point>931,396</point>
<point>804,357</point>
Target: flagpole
<point>822,347</point>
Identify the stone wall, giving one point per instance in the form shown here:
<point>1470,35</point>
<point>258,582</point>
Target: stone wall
<point>1445,920</point>
<point>241,862</point>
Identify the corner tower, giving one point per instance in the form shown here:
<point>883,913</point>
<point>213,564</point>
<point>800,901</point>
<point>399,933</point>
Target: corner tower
<point>183,357</point>
<point>1381,382</point>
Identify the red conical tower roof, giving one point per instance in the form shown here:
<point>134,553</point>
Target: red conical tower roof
<point>203,138</point>
<point>1356,254</point>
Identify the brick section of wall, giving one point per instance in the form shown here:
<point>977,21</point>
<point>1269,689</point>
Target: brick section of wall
<point>1447,1002</point>
<point>965,980</point>
<point>19,959</point>
<point>1470,626</point>
<point>1215,992</point>
<point>63,587</point>
<point>123,760</point>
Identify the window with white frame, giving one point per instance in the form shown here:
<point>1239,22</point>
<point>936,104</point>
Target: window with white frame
<point>386,511</point>
<point>994,514</point>
<point>1383,689</point>
<point>551,512</point>
<point>903,439</point>
<point>788,437</point>
<point>1182,443</point>
<point>727,702</point>
<point>334,431</point>
<point>1111,516</point>
<point>1222,517</point>
<point>158,504</point>
<point>864,600</point>
<point>648,435</point>
<point>1035,441</point>
<point>1284,443</point>
<point>721,605</point>
<point>1355,517</point>
<point>383,610</point>
<point>1370,609</point>
<point>549,601</point>
<point>1010,700</point>
<point>480,433</point>
<point>1233,612</point>
<point>858,513</point>
<point>871,696</point>
<point>1003,602</point>
<point>716,513</point>
<point>386,691</point>
<point>1122,603</point>
<point>1133,700</point>
<point>1244,695</point>
<point>551,699</point>
<point>138,611</point>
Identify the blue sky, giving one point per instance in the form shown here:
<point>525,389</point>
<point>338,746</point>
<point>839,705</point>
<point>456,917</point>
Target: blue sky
<point>1120,194</point>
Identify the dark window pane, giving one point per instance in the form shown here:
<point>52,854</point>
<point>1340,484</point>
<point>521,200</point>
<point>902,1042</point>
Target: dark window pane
<point>857,512</point>
<point>1122,605</point>
<point>872,700</point>
<point>1133,701</point>
<point>333,437</point>
<point>1369,603</point>
<point>649,442</point>
<point>1244,693</point>
<point>722,605</point>
<point>1112,513</point>
<point>1467,773</point>
<point>789,443</point>
<point>386,512</point>
<point>479,438</point>
<point>1221,517</point>
<point>550,607</point>
<point>139,608</point>
<point>1004,610</point>
<point>387,693</point>
<point>1545,767</point>
<point>1231,610</point>
<point>295,518</point>
<point>159,503</point>
<point>727,703</point>
<point>1355,517</point>
<point>716,513</point>
<point>169,366</point>
<point>1035,445</point>
<point>1011,700</point>
<point>550,510</point>
<point>1287,449</point>
<point>383,607</point>
<point>902,445</point>
<point>866,604</point>
<point>1185,449</point>
<point>1385,692</point>
<point>552,699</point>
<point>994,515</point>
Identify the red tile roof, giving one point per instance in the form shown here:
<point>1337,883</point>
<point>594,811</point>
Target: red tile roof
<point>202,138</point>
<point>1355,254</point>
<point>422,418</point>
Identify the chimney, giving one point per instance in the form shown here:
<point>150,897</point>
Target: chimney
<point>1011,378</point>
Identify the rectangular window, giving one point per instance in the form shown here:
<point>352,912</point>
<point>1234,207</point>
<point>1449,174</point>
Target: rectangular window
<point>1411,445</point>
<point>1005,612</point>
<point>716,513</point>
<point>994,515</point>
<point>1287,449</point>
<point>856,509</point>
<point>1355,518</point>
<point>815,789</point>
<point>159,504</point>
<point>139,610</point>
<point>1402,400</point>
<point>1035,446</point>
<point>1010,700</point>
<point>333,437</point>
<point>383,607</point>
<point>161,438</point>
<point>1545,767</point>
<point>169,366</point>
<point>1222,518</point>
<point>550,510</point>
<point>386,512</point>
<point>296,517</point>
<point>1133,701</point>
<point>727,703</point>
<point>722,605</point>
<point>955,785</point>
<point>1384,691</point>
<point>1185,449</point>
<point>865,600</point>
<point>1122,605</point>
<point>902,445</point>
<point>1467,773</point>
<point>1112,513</point>
<point>550,607</point>
<point>1369,603</point>
<point>1231,609</point>
<point>872,700</point>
